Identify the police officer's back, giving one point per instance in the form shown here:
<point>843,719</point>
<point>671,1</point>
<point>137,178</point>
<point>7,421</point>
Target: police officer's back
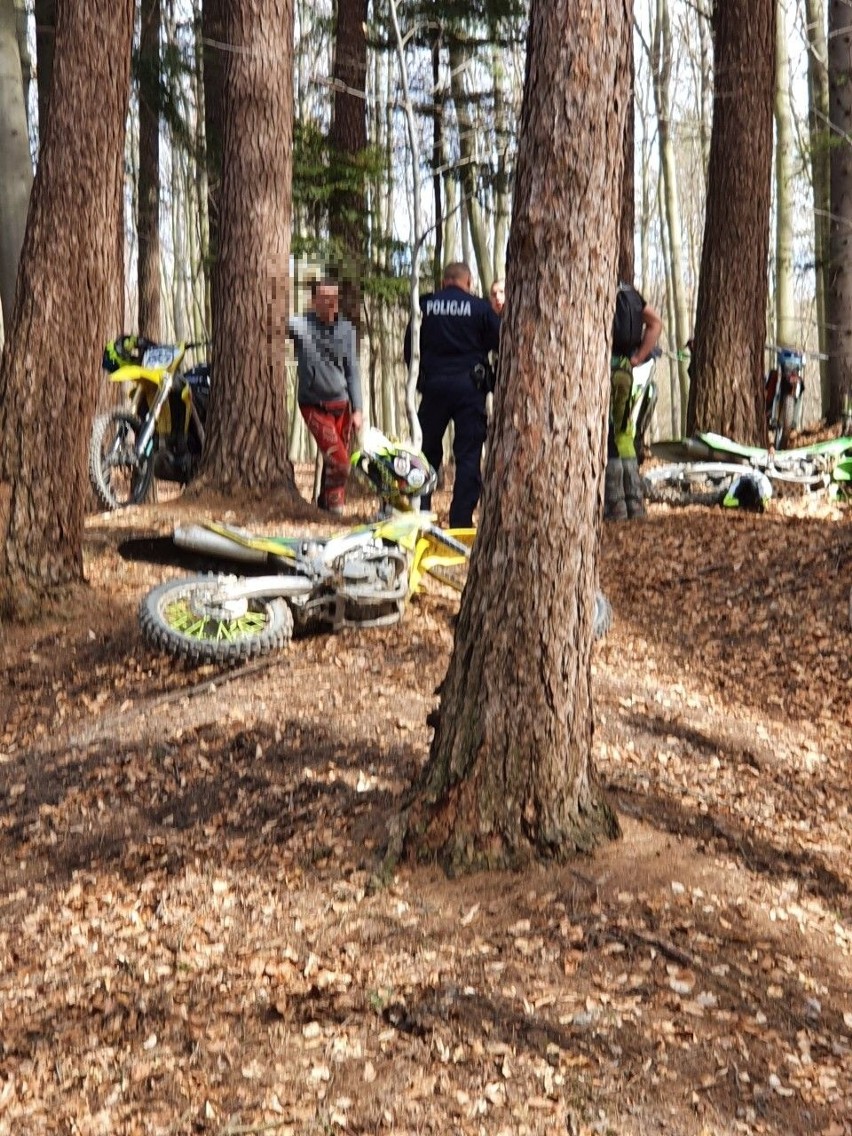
<point>457,333</point>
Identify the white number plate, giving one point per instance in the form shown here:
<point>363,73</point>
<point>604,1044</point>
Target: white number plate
<point>159,357</point>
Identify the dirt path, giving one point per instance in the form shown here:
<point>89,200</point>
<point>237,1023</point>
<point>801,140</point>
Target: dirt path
<point>189,939</point>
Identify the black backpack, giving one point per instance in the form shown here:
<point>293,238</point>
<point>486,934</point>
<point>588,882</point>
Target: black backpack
<point>627,323</point>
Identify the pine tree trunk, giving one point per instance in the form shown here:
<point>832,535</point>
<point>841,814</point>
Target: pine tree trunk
<point>510,771</point>
<point>661,63</point>
<point>248,434</point>
<point>839,297</point>
<point>16,168</point>
<point>469,165</point>
<point>213,34</point>
<point>45,21</point>
<point>726,394</point>
<point>820,174</point>
<point>786,324</point>
<point>148,202</point>
<point>61,319</point>
<point>348,206</point>
<point>627,226</point>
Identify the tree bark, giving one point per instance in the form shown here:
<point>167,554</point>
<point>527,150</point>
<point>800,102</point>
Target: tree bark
<point>786,324</point>
<point>148,200</point>
<point>627,225</point>
<point>820,175</point>
<point>839,297</point>
<point>469,165</point>
<point>248,435</point>
<point>661,64</point>
<point>16,167</point>
<point>348,207</point>
<point>213,35</point>
<point>726,393</point>
<point>60,319</point>
<point>45,21</point>
<point>510,772</point>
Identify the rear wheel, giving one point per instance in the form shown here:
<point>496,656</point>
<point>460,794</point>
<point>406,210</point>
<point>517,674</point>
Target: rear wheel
<point>118,475</point>
<point>195,619</point>
<point>683,483</point>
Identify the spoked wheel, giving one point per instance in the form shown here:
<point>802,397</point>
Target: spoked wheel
<point>697,483</point>
<point>195,619</point>
<point>118,475</point>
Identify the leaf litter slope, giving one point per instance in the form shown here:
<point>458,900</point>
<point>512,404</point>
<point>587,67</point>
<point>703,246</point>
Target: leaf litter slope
<point>189,940</point>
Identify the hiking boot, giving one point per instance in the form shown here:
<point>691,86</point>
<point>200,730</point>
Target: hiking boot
<point>634,494</point>
<point>615,507</point>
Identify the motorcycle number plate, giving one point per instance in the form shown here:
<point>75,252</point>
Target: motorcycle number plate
<point>158,357</point>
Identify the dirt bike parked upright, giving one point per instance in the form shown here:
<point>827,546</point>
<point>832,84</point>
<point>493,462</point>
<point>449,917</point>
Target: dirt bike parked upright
<point>161,433</point>
<point>785,393</point>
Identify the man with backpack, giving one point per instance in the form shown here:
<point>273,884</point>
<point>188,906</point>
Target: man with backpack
<point>636,327</point>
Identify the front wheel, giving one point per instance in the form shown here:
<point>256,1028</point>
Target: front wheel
<point>118,475</point>
<point>195,619</point>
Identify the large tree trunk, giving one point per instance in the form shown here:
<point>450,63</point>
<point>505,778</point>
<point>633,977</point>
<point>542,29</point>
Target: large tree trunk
<point>459,60</point>
<point>16,167</point>
<point>627,215</point>
<point>45,21</point>
<point>821,174</point>
<point>786,324</point>
<point>661,63</point>
<point>248,435</point>
<point>148,203</point>
<point>510,772</point>
<point>726,394</point>
<point>839,297</point>
<point>60,317</point>
<point>348,206</point>
<point>213,34</point>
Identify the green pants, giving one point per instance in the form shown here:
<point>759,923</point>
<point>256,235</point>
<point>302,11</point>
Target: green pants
<point>620,405</point>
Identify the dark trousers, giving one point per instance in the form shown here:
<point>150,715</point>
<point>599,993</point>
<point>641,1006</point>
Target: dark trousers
<point>456,399</point>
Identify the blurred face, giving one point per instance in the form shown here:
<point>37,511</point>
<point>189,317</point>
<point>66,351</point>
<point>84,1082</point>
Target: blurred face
<point>326,303</point>
<point>498,296</point>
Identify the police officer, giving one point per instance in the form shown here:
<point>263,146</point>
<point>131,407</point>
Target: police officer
<point>457,333</point>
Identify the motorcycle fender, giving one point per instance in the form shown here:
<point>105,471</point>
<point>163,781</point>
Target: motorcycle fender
<point>133,373</point>
<point>198,538</point>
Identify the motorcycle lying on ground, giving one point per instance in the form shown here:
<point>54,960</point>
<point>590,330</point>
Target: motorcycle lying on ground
<point>705,468</point>
<point>160,434</point>
<point>362,577</point>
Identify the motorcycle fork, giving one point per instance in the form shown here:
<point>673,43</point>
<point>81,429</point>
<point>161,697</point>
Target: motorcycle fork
<point>146,436</point>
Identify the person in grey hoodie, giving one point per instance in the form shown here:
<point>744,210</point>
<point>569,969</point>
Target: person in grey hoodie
<point>329,391</point>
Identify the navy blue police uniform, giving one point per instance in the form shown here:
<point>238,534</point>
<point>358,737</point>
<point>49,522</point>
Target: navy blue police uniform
<point>457,333</point>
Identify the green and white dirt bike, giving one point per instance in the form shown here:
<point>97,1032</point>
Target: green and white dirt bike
<point>700,470</point>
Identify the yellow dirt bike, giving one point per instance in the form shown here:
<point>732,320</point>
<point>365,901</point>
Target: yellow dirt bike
<point>363,577</point>
<point>161,433</point>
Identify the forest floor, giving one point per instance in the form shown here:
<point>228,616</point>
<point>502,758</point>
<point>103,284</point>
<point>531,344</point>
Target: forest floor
<point>189,939</point>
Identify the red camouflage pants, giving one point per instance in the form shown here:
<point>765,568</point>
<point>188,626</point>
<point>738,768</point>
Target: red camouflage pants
<point>331,425</point>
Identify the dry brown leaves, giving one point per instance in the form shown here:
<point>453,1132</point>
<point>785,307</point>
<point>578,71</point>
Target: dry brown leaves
<point>190,941</point>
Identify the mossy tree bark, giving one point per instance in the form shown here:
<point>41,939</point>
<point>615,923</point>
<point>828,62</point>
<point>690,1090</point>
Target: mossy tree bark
<point>510,774</point>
